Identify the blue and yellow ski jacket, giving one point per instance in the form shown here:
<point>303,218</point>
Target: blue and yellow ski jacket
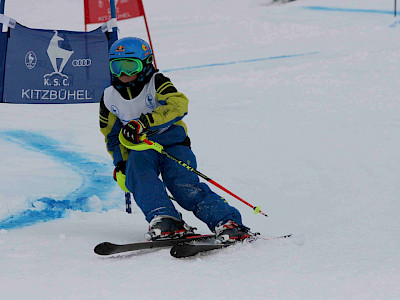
<point>157,103</point>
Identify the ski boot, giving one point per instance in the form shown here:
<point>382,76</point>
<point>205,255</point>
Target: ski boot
<point>166,227</point>
<point>230,232</point>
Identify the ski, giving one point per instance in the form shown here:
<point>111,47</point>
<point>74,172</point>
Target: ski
<point>187,250</point>
<point>191,249</point>
<point>107,248</point>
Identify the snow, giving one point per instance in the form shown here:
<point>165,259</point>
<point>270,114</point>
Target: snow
<point>294,107</point>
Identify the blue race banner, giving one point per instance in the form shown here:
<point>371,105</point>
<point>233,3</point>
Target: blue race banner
<point>55,66</point>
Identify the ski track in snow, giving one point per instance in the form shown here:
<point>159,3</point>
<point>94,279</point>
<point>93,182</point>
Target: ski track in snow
<point>96,182</point>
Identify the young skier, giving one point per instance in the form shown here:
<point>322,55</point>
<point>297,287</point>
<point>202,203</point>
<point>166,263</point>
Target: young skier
<point>141,100</point>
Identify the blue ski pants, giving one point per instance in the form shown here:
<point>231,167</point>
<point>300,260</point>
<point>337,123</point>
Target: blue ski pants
<point>149,191</point>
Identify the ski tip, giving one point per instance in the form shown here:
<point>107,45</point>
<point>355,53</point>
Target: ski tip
<point>104,248</point>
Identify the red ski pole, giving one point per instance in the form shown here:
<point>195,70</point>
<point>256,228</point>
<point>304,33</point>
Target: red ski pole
<point>183,164</point>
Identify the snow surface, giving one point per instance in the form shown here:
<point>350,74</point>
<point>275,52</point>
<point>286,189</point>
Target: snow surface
<point>294,107</point>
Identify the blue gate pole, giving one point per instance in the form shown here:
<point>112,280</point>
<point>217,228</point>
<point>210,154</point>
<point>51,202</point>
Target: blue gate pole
<point>395,8</point>
<point>2,61</point>
<point>128,202</point>
<point>3,2</point>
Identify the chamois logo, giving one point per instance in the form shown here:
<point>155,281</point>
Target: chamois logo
<point>54,51</point>
<point>57,54</point>
<point>115,110</point>
<point>30,60</point>
<point>150,101</point>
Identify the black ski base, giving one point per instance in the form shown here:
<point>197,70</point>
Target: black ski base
<point>107,248</point>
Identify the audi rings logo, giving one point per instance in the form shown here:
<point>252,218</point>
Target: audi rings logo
<point>82,62</point>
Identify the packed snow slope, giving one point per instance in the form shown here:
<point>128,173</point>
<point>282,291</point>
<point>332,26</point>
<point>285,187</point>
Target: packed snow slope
<point>294,107</point>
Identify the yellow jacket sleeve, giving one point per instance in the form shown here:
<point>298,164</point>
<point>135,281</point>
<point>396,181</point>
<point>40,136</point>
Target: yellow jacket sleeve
<point>110,126</point>
<point>174,105</point>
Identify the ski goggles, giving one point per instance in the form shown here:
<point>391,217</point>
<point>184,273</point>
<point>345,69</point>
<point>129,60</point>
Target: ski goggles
<point>128,66</point>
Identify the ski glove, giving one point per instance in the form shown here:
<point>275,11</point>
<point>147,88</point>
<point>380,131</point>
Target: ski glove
<point>133,130</point>
<point>119,175</point>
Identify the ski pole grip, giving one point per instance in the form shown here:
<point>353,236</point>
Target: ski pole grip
<point>152,145</point>
<point>143,139</point>
<point>145,145</point>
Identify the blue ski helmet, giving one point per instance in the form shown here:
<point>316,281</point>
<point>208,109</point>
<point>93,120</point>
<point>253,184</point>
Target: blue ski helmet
<point>131,47</point>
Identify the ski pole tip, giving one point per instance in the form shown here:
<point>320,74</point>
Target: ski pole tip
<point>258,210</point>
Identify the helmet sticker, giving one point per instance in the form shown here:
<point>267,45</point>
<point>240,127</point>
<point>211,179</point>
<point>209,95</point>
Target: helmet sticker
<point>130,47</point>
<point>145,49</point>
<point>120,48</point>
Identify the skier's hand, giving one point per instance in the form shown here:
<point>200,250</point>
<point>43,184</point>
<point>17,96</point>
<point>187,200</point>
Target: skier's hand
<point>119,175</point>
<point>133,130</point>
<point>119,169</point>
